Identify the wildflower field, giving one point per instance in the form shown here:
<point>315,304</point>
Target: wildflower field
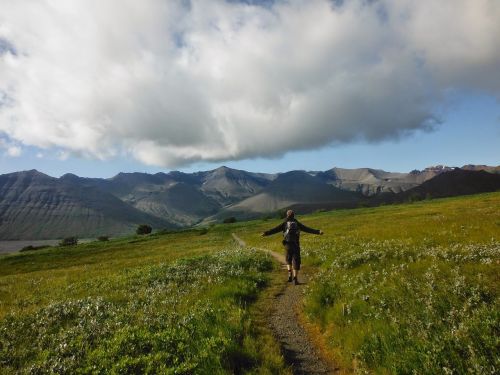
<point>395,289</point>
<point>177,303</point>
<point>408,288</point>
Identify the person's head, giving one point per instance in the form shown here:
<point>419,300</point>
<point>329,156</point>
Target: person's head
<point>290,214</point>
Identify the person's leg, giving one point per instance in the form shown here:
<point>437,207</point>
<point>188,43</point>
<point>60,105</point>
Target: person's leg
<point>288,258</point>
<point>296,263</point>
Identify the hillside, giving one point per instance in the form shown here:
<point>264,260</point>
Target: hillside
<point>180,203</point>
<point>404,287</point>
<point>289,189</point>
<point>453,183</point>
<point>73,205</point>
<point>228,185</point>
<point>486,168</point>
<point>157,304</point>
<point>36,206</point>
<point>370,181</point>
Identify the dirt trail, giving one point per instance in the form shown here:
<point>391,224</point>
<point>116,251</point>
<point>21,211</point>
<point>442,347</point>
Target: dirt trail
<point>299,350</point>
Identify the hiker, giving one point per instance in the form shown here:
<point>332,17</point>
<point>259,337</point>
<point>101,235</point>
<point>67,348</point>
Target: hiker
<point>291,240</point>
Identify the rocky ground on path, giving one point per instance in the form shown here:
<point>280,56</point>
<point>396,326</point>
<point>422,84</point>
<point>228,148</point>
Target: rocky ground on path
<point>300,353</point>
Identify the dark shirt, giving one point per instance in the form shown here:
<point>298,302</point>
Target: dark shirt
<point>282,228</point>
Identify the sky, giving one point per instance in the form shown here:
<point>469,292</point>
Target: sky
<point>95,88</point>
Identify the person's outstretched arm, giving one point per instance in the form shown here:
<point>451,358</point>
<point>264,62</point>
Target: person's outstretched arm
<point>309,230</point>
<point>277,229</point>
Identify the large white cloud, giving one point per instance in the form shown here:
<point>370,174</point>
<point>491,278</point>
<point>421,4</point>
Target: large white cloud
<point>173,82</point>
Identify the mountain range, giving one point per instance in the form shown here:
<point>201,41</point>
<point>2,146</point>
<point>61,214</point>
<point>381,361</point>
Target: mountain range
<point>36,206</point>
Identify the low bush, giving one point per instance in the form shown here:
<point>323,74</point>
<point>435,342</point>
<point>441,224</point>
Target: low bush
<point>31,247</point>
<point>143,229</point>
<point>69,241</point>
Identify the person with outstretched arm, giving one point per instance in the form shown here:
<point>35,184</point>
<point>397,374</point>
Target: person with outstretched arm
<point>291,228</point>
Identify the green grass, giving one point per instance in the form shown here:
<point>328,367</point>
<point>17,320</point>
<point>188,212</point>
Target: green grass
<point>407,288</point>
<point>32,279</point>
<point>395,289</point>
<point>174,303</point>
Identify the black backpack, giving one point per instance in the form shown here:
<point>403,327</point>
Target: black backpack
<point>292,232</point>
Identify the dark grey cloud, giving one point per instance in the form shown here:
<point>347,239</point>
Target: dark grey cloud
<point>181,81</point>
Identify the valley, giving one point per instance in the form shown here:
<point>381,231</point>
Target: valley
<point>34,206</point>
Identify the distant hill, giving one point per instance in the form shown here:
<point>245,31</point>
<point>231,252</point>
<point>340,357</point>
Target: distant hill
<point>486,168</point>
<point>368,181</point>
<point>170,197</point>
<point>228,185</point>
<point>289,189</point>
<point>450,184</point>
<point>183,198</point>
<point>36,206</point>
<point>181,203</point>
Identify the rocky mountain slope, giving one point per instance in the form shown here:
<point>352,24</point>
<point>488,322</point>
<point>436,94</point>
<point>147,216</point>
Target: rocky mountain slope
<point>34,205</point>
<point>288,189</point>
<point>450,184</point>
<point>370,182</point>
<point>486,168</point>
<point>180,197</point>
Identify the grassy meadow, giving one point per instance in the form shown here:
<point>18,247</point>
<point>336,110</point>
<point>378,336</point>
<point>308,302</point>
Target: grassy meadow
<point>173,303</point>
<point>407,288</point>
<point>395,289</point>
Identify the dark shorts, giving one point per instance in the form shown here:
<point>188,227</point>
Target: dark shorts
<point>292,255</point>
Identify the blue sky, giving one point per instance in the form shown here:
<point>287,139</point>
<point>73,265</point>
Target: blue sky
<point>262,86</point>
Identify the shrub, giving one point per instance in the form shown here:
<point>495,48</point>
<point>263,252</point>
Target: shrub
<point>31,247</point>
<point>69,241</point>
<point>414,198</point>
<point>103,238</point>
<point>143,229</point>
<point>229,220</point>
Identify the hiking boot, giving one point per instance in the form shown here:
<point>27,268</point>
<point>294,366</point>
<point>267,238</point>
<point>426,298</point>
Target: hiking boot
<point>289,278</point>
<point>295,281</point>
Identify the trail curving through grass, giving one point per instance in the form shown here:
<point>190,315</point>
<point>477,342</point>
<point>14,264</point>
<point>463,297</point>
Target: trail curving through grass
<point>300,351</point>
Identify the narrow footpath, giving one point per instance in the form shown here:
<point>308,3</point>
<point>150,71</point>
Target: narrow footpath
<point>298,349</point>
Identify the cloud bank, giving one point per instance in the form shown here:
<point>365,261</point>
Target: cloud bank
<point>175,82</point>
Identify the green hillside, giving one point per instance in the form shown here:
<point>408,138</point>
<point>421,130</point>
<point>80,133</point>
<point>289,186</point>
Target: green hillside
<point>172,303</point>
<point>396,289</point>
<point>406,288</point>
